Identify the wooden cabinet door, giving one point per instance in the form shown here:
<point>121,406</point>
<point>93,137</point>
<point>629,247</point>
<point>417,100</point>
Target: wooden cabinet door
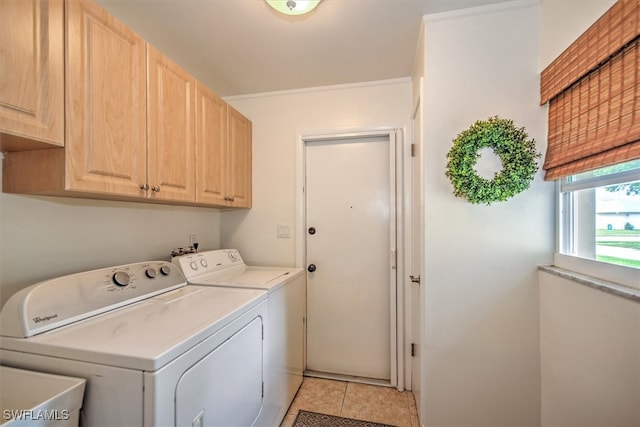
<point>171,132</point>
<point>238,184</point>
<point>211,137</point>
<point>31,74</point>
<point>106,103</point>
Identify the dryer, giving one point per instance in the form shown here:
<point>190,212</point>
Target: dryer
<point>286,288</point>
<point>154,350</point>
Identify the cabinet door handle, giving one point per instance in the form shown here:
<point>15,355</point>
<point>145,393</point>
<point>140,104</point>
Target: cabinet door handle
<point>156,188</point>
<point>144,187</point>
<point>229,198</point>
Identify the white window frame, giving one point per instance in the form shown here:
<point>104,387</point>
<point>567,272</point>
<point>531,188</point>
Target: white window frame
<point>623,275</point>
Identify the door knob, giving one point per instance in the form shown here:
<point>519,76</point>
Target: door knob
<point>312,230</point>
<point>311,268</point>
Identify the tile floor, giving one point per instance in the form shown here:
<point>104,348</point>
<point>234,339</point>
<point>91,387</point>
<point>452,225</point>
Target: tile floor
<point>353,400</point>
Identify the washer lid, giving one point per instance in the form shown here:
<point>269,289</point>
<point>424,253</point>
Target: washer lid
<point>145,335</point>
<point>225,267</point>
<point>268,278</point>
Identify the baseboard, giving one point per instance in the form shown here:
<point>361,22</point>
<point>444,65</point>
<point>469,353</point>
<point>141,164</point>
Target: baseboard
<point>348,378</point>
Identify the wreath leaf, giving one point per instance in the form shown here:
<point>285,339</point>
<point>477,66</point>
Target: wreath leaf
<point>511,144</point>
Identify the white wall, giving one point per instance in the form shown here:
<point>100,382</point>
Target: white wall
<point>563,21</point>
<point>590,344</point>
<point>278,119</point>
<point>590,340</point>
<point>46,237</point>
<point>481,361</point>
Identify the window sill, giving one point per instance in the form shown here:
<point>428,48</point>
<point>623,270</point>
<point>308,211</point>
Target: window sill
<point>612,273</point>
<point>592,282</point>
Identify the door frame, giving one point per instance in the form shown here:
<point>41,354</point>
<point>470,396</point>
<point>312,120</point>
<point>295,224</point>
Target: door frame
<point>397,176</point>
<point>416,242</point>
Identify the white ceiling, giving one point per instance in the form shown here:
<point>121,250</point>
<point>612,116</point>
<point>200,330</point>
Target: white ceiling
<point>242,46</point>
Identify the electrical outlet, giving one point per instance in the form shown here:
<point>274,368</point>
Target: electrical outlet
<point>193,238</point>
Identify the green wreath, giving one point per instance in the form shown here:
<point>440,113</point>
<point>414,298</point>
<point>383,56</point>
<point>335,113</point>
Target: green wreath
<point>517,153</point>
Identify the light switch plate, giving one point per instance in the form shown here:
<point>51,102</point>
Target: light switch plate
<point>283,231</point>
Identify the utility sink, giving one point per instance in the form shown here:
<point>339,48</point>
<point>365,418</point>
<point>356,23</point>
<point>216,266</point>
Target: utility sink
<point>29,398</point>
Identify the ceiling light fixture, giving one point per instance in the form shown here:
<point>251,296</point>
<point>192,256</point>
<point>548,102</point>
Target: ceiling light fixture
<point>293,7</point>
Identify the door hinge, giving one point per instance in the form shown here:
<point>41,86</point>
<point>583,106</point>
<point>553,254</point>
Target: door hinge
<point>262,332</point>
<point>413,350</point>
<point>262,388</point>
<point>413,150</point>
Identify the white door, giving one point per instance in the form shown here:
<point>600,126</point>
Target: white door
<point>349,239</point>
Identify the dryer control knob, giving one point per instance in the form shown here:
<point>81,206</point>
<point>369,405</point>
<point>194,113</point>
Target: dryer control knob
<point>121,278</point>
<point>193,265</point>
<point>165,270</point>
<point>150,273</point>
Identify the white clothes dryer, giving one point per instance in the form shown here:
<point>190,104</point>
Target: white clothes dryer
<point>154,351</point>
<point>285,332</point>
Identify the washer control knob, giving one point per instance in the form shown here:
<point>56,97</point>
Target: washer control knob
<point>165,270</point>
<point>150,273</point>
<point>121,278</point>
<point>232,256</point>
<point>193,265</point>
<point>203,262</point>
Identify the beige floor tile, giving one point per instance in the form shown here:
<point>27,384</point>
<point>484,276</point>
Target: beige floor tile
<point>413,408</point>
<point>288,420</point>
<point>319,395</point>
<point>378,404</point>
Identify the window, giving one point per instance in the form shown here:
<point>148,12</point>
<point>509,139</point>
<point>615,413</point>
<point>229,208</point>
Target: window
<point>600,215</point>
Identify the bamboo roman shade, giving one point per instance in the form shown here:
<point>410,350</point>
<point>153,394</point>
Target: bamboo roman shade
<point>593,90</point>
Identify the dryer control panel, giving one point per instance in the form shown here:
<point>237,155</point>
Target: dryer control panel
<point>58,302</point>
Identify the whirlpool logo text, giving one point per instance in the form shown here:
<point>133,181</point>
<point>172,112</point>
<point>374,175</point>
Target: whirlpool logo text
<point>39,319</point>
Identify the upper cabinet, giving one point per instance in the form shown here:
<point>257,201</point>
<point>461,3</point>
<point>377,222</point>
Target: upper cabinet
<point>211,137</point>
<point>137,126</point>
<point>223,141</point>
<point>170,130</point>
<point>31,74</point>
<point>106,103</point>
<point>238,177</point>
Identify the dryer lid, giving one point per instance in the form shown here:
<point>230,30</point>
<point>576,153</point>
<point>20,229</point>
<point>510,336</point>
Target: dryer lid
<point>57,302</point>
<point>148,334</point>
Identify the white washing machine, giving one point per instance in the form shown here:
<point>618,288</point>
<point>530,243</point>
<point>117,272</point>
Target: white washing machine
<point>286,289</point>
<point>154,351</point>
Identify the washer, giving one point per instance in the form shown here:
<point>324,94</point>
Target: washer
<point>286,289</point>
<point>154,351</point>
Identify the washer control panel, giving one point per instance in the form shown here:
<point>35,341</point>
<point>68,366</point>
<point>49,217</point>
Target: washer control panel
<point>57,302</point>
<point>201,263</point>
